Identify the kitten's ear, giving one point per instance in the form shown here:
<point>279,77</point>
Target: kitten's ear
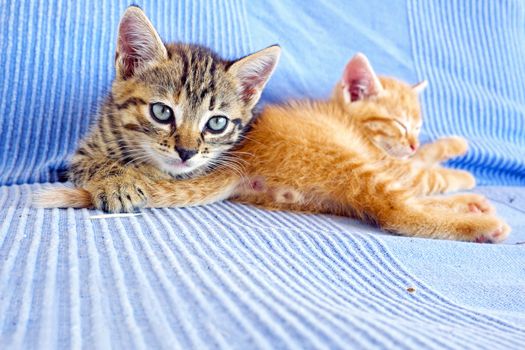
<point>419,87</point>
<point>253,72</point>
<point>359,80</point>
<point>138,43</point>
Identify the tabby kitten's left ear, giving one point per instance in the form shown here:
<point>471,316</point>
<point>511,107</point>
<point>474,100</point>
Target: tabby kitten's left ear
<point>138,44</point>
<point>254,71</point>
<point>359,80</point>
<point>419,87</point>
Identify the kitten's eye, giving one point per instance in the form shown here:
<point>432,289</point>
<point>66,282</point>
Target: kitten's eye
<point>161,113</point>
<point>217,124</point>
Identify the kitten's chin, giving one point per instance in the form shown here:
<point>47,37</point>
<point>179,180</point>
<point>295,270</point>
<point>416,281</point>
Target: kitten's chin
<point>177,168</point>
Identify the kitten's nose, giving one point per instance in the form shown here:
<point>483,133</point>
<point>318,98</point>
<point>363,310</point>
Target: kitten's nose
<point>184,153</point>
<point>413,147</point>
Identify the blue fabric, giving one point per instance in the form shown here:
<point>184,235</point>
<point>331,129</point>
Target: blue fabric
<point>472,52</point>
<point>232,276</point>
<point>57,59</point>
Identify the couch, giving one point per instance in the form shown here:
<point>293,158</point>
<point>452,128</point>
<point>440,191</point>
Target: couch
<point>233,276</point>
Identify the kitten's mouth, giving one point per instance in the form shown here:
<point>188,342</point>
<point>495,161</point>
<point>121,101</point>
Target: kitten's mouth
<point>177,163</point>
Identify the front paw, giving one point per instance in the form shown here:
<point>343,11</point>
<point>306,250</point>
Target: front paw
<point>119,195</point>
<point>456,146</point>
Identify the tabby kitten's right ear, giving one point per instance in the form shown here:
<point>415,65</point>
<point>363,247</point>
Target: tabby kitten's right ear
<point>359,80</point>
<point>138,44</point>
<point>253,72</point>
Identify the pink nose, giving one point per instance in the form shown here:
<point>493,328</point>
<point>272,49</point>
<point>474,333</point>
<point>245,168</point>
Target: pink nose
<point>413,147</point>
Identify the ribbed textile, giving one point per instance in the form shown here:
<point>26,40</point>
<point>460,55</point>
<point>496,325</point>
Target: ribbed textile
<point>57,64</point>
<point>471,51</point>
<point>473,54</point>
<point>231,276</point>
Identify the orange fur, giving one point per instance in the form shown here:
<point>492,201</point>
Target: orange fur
<point>387,114</point>
<point>338,172</point>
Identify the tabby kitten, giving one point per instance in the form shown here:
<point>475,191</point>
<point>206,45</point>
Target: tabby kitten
<point>330,164</point>
<point>174,111</point>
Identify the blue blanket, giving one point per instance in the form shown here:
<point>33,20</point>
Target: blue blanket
<point>57,59</point>
<point>232,276</point>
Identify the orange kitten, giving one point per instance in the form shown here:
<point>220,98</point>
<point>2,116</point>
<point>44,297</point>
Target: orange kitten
<point>387,113</point>
<point>309,146</point>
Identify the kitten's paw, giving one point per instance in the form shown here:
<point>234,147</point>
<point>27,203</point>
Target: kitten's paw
<point>252,184</point>
<point>480,206</point>
<point>484,228</point>
<point>286,195</point>
<point>495,236</point>
<point>472,203</point>
<point>456,146</point>
<point>119,195</point>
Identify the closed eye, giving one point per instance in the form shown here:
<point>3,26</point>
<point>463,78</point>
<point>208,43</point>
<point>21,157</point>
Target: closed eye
<point>400,123</point>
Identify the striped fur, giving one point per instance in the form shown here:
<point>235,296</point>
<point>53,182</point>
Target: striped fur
<point>129,146</point>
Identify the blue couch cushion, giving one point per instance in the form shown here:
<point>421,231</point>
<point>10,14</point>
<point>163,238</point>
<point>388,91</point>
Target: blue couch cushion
<point>237,277</point>
<point>58,62</point>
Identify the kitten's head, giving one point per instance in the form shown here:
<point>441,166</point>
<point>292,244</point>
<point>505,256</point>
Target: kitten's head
<point>385,109</point>
<point>180,107</point>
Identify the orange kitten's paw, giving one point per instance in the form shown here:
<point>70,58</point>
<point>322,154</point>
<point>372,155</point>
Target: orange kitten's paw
<point>484,228</point>
<point>481,206</point>
<point>496,236</point>
<point>253,184</point>
<point>473,203</point>
<point>286,195</point>
<point>459,180</point>
<point>118,195</point>
<point>457,146</point>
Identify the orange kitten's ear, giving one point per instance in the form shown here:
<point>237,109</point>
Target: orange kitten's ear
<point>359,80</point>
<point>138,43</point>
<point>419,87</point>
<point>253,72</point>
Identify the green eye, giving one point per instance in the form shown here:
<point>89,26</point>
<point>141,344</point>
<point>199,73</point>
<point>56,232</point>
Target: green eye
<point>161,113</point>
<point>217,124</point>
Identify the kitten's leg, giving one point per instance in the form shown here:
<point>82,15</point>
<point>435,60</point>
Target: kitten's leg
<point>437,180</point>
<point>441,150</point>
<point>219,185</point>
<point>112,186</point>
<point>430,219</point>
<point>462,203</point>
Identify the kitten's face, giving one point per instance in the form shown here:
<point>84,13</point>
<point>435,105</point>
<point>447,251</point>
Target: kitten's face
<point>386,110</point>
<point>191,112</point>
<point>393,119</point>
<point>186,107</point>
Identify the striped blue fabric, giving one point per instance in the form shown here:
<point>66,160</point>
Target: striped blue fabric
<point>57,60</point>
<point>473,53</point>
<point>232,276</point>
